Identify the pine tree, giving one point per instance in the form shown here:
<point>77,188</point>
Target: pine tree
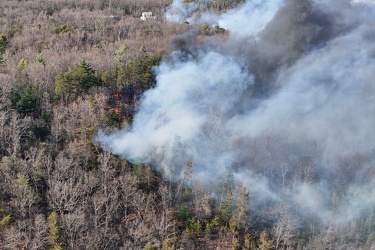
<point>239,219</point>
<point>226,201</point>
<point>76,81</point>
<point>54,231</point>
<point>265,242</point>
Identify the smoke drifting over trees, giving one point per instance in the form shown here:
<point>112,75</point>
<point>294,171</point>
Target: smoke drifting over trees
<point>245,124</point>
<point>286,103</point>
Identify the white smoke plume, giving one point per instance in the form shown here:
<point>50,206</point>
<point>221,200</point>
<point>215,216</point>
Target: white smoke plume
<point>246,19</point>
<point>180,11</point>
<point>363,2</point>
<point>287,103</point>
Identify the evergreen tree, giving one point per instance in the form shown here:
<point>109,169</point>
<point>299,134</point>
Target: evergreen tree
<point>54,231</point>
<point>265,242</point>
<point>239,220</point>
<point>76,81</point>
<point>226,200</point>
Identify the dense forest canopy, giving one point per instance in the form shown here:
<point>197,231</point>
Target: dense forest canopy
<point>216,124</point>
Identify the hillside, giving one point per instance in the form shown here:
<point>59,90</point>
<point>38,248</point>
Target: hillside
<point>204,127</point>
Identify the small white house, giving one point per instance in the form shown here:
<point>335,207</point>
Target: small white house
<point>147,15</point>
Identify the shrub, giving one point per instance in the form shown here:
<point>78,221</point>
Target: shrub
<point>3,43</point>
<point>181,213</point>
<point>5,222</point>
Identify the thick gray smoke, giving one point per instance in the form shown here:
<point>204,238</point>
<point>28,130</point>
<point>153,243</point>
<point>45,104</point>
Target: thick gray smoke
<point>287,103</point>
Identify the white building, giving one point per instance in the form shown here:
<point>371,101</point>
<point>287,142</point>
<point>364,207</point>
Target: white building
<point>147,15</point>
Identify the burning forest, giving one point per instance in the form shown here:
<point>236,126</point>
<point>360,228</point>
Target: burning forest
<point>218,124</point>
<point>283,107</point>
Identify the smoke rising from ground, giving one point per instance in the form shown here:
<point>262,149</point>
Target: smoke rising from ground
<point>180,11</point>
<point>287,103</point>
<point>248,18</point>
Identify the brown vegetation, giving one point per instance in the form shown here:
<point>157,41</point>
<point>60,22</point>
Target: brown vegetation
<point>58,190</point>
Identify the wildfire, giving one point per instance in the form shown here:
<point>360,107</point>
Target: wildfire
<point>116,96</point>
